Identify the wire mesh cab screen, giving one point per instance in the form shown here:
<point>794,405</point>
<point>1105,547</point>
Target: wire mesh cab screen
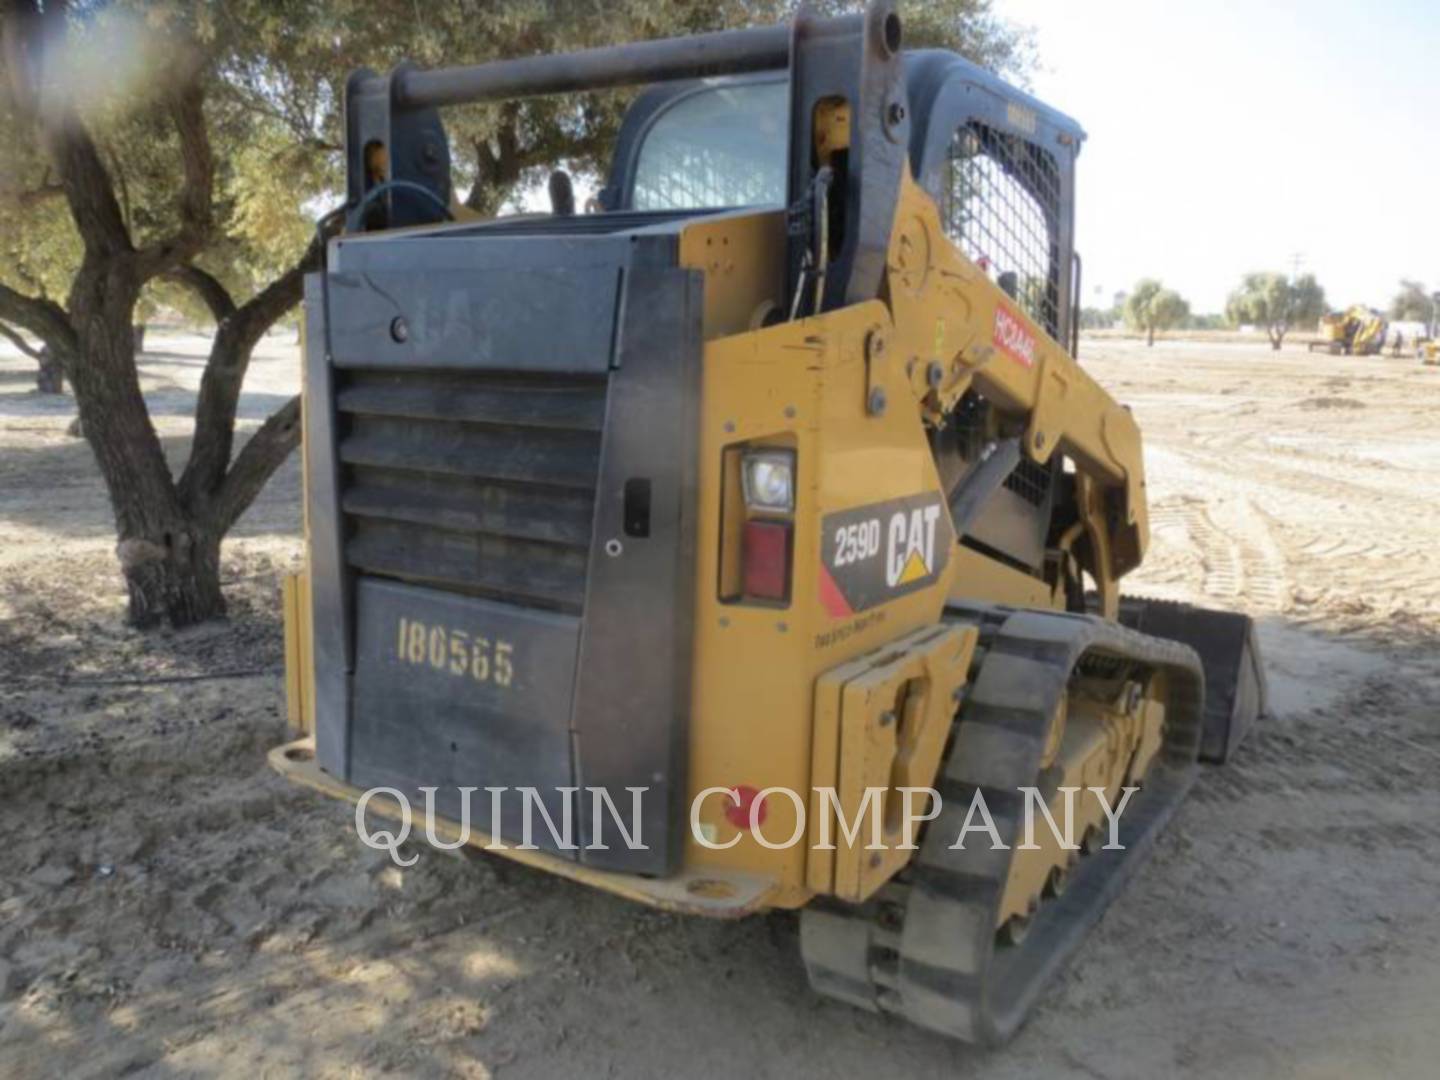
<point>1000,202</point>
<point>721,146</point>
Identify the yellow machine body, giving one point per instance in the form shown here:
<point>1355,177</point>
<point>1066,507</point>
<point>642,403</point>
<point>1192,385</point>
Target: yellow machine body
<point>838,734</point>
<point>804,385</point>
<point>1358,331</point>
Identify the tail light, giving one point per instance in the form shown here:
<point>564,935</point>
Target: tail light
<point>757,534</point>
<point>765,557</point>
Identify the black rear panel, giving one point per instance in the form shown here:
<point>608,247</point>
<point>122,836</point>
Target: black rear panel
<point>485,614</point>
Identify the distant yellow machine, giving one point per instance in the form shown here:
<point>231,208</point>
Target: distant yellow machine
<point>1359,331</point>
<point>753,496</point>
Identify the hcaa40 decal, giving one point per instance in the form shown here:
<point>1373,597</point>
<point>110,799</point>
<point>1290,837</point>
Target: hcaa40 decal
<point>1013,337</point>
<point>876,553</point>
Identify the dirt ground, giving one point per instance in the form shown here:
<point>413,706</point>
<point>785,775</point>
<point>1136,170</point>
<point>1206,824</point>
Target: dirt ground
<point>169,907</point>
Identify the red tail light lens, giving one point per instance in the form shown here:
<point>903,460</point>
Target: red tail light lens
<point>766,557</point>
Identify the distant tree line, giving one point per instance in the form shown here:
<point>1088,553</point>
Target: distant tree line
<point>1268,301</point>
<point>1271,301</point>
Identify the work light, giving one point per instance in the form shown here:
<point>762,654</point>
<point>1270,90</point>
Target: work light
<point>769,480</point>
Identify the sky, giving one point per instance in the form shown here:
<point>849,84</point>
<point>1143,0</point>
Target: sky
<point>1233,135</point>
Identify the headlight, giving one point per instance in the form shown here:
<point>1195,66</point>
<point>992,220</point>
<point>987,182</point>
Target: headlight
<point>769,480</point>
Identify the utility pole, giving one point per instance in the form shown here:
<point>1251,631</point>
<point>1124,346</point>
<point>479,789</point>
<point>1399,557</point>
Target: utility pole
<point>1297,260</point>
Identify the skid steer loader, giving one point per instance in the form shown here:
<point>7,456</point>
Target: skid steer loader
<point>767,501</point>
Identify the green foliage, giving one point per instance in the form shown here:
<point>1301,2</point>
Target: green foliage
<point>1213,321</point>
<point>1412,303</point>
<point>1273,301</point>
<point>289,62</point>
<point>1307,302</point>
<point>1168,309</point>
<point>1152,307</point>
<point>39,246</point>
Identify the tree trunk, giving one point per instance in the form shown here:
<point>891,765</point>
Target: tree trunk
<point>1150,335</point>
<point>171,560</point>
<point>1276,337</point>
<point>174,577</point>
<point>50,372</point>
<point>139,334</point>
<point>50,378</point>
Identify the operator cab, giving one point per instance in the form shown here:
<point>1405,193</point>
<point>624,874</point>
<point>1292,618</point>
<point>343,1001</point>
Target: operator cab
<point>999,164</point>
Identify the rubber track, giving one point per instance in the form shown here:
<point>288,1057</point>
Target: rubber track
<point>924,948</point>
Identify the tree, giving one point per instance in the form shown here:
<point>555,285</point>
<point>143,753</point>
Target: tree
<point>1412,304</point>
<point>1274,302</point>
<point>1151,307</point>
<point>169,531</point>
<point>1213,321</point>
<point>177,150</point>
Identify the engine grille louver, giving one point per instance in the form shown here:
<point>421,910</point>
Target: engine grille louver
<point>474,481</point>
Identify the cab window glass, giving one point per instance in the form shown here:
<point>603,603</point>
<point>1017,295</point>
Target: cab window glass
<point>724,146</point>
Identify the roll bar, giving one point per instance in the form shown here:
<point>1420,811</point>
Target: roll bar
<point>393,133</point>
<point>728,52</point>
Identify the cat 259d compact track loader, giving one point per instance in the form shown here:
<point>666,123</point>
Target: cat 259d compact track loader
<point>766,492</point>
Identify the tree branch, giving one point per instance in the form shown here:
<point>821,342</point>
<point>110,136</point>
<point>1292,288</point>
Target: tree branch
<point>43,318</point>
<point>205,472</point>
<point>19,342</point>
<point>208,288</point>
<point>256,463</point>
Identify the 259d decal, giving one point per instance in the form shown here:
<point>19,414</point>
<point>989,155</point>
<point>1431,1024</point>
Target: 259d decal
<point>880,552</point>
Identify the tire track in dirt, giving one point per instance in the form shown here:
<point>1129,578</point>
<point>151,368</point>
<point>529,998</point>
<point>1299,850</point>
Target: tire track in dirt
<point>1327,549</point>
<point>1242,564</point>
